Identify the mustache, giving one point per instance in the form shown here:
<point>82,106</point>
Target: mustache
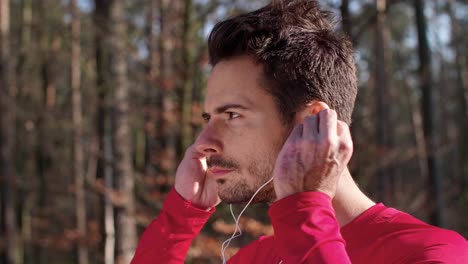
<point>221,162</point>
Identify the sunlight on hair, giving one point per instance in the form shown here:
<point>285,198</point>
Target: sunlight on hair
<point>278,3</point>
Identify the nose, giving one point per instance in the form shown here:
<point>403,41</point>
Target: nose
<point>209,141</point>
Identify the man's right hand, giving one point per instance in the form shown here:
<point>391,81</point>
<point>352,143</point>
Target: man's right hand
<point>191,181</point>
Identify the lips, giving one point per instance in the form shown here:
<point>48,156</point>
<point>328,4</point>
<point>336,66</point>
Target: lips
<point>218,172</point>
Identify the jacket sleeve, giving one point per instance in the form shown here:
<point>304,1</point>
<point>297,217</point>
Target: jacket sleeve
<point>167,239</point>
<point>306,229</point>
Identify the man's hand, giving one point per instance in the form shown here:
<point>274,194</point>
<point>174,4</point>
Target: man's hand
<point>314,156</point>
<point>191,181</point>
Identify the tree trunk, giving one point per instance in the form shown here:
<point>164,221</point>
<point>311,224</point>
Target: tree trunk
<point>462,92</point>
<point>104,169</point>
<point>77,119</point>
<point>43,151</point>
<point>24,45</point>
<point>382,96</point>
<point>123,171</point>
<point>109,224</point>
<point>435,182</point>
<point>187,71</point>
<point>169,101</point>
<point>26,204</point>
<point>346,18</point>
<point>153,102</point>
<point>7,137</point>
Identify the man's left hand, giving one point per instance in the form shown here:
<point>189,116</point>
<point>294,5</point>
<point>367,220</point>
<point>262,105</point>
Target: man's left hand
<point>314,156</point>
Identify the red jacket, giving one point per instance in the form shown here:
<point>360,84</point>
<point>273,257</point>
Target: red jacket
<point>306,231</point>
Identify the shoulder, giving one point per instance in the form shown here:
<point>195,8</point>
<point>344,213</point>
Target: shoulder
<point>408,231</point>
<point>406,228</point>
<point>392,234</point>
<point>437,245</point>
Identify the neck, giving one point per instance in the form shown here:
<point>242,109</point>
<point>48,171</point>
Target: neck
<point>349,201</point>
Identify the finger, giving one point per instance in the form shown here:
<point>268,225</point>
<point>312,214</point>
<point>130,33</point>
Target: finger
<point>296,133</point>
<point>327,124</point>
<point>193,152</point>
<point>346,143</point>
<point>342,129</point>
<point>310,128</point>
<point>344,132</point>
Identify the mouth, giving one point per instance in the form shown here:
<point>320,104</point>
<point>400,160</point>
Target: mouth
<point>219,172</point>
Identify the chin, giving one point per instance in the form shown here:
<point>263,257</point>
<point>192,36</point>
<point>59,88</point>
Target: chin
<point>239,196</point>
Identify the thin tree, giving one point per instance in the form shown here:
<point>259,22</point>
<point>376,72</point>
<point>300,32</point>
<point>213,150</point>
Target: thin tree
<point>47,101</point>
<point>124,178</point>
<point>382,96</point>
<point>22,77</point>
<point>153,92</point>
<point>7,137</point>
<point>462,92</point>
<point>435,181</point>
<point>77,119</point>
<point>346,18</point>
<point>104,123</point>
<point>187,66</point>
<point>169,27</point>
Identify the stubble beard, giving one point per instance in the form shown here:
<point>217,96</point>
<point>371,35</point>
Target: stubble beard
<point>239,191</point>
<point>260,169</point>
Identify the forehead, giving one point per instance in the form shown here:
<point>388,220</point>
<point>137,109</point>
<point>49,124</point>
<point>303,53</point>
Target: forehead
<point>237,80</point>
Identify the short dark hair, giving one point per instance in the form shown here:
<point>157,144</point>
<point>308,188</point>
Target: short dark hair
<point>303,58</point>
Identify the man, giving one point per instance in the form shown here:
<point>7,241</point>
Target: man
<point>278,73</point>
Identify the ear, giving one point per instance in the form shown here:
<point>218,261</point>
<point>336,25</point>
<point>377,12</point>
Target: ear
<point>311,108</point>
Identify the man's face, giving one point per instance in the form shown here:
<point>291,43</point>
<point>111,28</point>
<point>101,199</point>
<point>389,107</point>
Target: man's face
<point>243,133</point>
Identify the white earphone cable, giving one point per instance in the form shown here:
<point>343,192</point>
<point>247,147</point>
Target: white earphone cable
<point>226,243</point>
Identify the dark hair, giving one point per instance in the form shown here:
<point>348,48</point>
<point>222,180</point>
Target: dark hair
<point>303,57</point>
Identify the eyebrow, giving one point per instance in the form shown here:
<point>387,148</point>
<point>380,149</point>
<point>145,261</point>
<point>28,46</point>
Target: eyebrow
<point>223,108</point>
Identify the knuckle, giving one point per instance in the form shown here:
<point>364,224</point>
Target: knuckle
<point>346,146</point>
<point>328,142</point>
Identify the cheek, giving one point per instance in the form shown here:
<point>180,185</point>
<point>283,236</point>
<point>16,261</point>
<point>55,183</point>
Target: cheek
<point>254,143</point>
<point>263,152</point>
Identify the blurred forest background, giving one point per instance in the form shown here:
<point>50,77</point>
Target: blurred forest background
<point>99,99</point>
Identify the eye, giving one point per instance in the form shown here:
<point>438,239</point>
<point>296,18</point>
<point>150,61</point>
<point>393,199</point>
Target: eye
<point>232,115</point>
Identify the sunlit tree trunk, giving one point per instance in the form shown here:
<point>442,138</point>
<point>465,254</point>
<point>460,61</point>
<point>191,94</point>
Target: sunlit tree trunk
<point>125,212</point>
<point>109,215</point>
